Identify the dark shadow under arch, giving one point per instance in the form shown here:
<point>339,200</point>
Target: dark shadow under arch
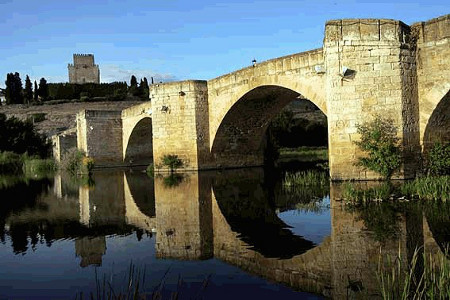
<point>438,126</point>
<point>139,149</point>
<point>240,140</point>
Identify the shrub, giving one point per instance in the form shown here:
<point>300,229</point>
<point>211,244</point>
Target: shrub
<point>379,140</point>
<point>438,159</point>
<point>150,170</point>
<point>172,162</point>
<point>36,166</point>
<point>75,162</point>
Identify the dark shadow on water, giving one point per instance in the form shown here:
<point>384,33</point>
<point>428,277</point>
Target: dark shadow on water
<point>249,208</point>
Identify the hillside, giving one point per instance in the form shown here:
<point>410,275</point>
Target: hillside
<point>59,117</point>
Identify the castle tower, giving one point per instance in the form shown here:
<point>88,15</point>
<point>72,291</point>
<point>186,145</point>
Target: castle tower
<point>83,69</point>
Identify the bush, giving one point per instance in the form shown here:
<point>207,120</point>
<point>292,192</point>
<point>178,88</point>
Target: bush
<point>75,162</point>
<point>379,140</point>
<point>438,159</point>
<point>172,162</point>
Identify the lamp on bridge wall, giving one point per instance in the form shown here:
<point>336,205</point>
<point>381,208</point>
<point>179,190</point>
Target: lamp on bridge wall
<point>347,73</point>
<point>254,62</point>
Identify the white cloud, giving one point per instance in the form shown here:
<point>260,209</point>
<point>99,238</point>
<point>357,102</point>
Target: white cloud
<point>110,73</point>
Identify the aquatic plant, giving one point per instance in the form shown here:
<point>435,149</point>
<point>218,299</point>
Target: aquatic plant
<point>425,277</point>
<point>428,188</point>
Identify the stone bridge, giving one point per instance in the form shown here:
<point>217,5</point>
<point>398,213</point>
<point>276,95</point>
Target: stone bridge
<point>365,67</point>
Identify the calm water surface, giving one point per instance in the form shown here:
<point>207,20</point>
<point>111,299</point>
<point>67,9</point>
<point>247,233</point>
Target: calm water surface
<point>215,235</point>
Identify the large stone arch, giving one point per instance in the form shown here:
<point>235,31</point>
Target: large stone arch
<point>435,117</point>
<point>239,139</point>
<point>300,73</point>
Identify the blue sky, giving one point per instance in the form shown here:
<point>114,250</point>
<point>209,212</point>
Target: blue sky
<point>174,40</point>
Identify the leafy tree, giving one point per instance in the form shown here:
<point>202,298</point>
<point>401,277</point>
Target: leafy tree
<point>13,89</point>
<point>28,92</point>
<point>379,140</point>
<point>36,92</point>
<point>21,136</point>
<point>43,89</point>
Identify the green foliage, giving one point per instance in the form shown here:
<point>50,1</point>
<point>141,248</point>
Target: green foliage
<point>10,163</point>
<point>43,89</point>
<point>13,91</point>
<point>172,161</point>
<point>28,91</point>
<point>425,277</point>
<point>305,187</point>
<point>356,196</point>
<point>36,167</point>
<point>380,219</point>
<point>114,91</point>
<point>20,137</point>
<point>379,140</point>
<point>150,170</point>
<point>428,188</point>
<point>438,159</point>
<point>173,180</point>
<point>75,162</point>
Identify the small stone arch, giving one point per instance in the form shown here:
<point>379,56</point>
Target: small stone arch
<point>240,136</point>
<point>139,145</point>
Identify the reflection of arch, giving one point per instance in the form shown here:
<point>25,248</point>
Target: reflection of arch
<point>245,207</point>
<point>240,137</point>
<point>139,149</point>
<point>438,124</point>
<point>139,201</point>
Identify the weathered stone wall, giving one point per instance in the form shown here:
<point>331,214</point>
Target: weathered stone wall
<point>183,219</point>
<point>99,135</point>
<point>296,72</point>
<point>83,69</point>
<point>380,62</point>
<point>433,70</point>
<point>180,122</point>
<point>64,142</point>
<point>367,67</point>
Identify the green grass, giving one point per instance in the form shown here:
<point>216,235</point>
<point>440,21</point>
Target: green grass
<point>22,164</point>
<point>306,189</point>
<point>304,153</point>
<point>428,188</point>
<point>425,277</point>
<point>38,167</point>
<point>355,195</point>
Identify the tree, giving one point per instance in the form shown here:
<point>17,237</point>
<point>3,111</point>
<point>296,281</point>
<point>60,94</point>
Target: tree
<point>13,89</point>
<point>133,81</point>
<point>134,89</point>
<point>379,140</point>
<point>28,92</point>
<point>43,89</point>
<point>36,92</point>
<point>144,89</point>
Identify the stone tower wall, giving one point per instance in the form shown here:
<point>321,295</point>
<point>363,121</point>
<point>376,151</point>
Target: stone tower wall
<point>380,81</point>
<point>83,69</point>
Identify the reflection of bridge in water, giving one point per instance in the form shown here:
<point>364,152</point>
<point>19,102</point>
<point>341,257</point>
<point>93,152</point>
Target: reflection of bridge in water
<point>202,217</point>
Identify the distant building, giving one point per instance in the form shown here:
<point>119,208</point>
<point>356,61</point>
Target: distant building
<point>83,69</point>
